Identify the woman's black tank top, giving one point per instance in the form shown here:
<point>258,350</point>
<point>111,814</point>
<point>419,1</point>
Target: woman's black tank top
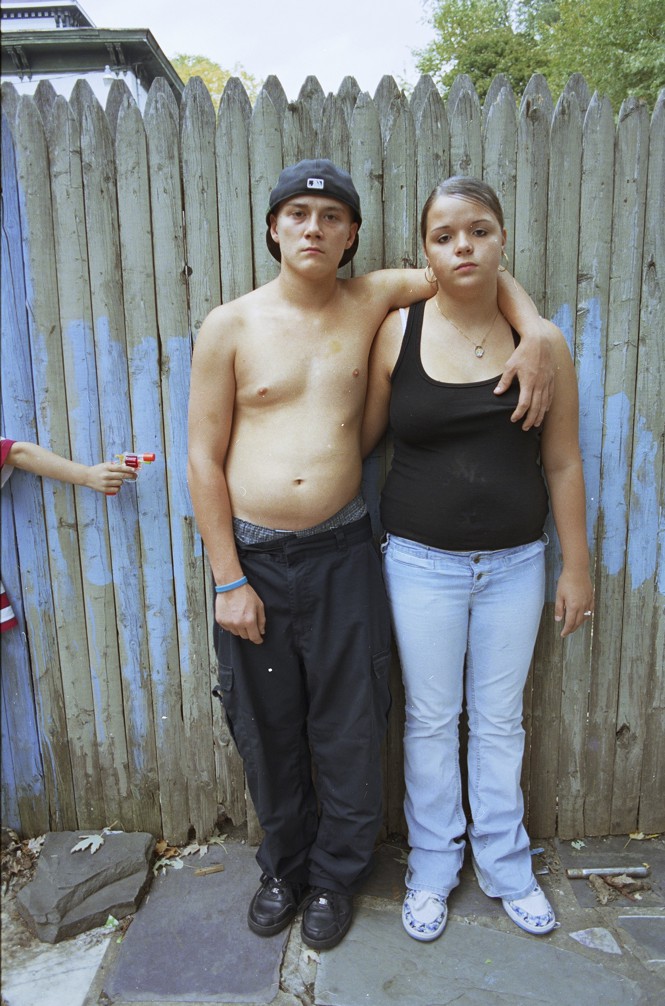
<point>463,477</point>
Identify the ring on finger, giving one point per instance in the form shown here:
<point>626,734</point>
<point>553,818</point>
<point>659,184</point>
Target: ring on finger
<point>587,614</point>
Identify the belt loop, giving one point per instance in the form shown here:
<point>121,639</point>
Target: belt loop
<point>340,535</point>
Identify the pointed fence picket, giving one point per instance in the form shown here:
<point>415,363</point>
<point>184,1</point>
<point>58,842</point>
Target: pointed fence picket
<point>160,677</point>
<point>33,404</point>
<point>649,477</point>
<point>70,587</point>
<point>594,258</point>
<point>630,186</point>
<point>121,232</point>
<point>25,788</point>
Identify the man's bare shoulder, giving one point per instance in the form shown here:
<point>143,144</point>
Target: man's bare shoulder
<point>226,321</point>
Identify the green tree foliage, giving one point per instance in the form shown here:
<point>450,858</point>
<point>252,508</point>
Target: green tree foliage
<point>499,51</point>
<point>482,38</point>
<point>213,75</point>
<point>535,16</point>
<point>618,45</point>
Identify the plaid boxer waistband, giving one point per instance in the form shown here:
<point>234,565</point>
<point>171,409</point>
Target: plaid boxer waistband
<point>247,533</point>
<point>324,541</point>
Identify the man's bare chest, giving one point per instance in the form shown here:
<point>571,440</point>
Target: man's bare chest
<point>292,369</point>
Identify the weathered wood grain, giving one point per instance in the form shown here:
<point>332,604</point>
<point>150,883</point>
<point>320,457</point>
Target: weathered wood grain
<point>70,595</point>
<point>432,147</point>
<point>161,125</point>
<point>347,93</point>
<point>233,190</point>
<point>299,134</point>
<point>333,132</point>
<point>366,166</point>
<point>198,143</point>
<point>500,156</point>
<point>24,795</point>
<point>160,734</point>
<point>265,160</point>
<point>199,180</point>
<point>389,101</point>
<point>530,256</point>
<point>123,705</point>
<point>533,169</point>
<point>399,188</point>
<point>649,482</point>
<point>617,599</point>
<point>568,670</point>
<point>39,505</point>
<point>273,89</point>
<point>312,98</point>
<point>465,121</point>
<point>591,346</point>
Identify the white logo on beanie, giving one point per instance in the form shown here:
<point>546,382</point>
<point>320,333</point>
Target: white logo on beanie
<point>315,183</point>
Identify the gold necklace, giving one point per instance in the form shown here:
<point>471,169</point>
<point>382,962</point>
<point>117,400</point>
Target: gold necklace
<point>478,348</point>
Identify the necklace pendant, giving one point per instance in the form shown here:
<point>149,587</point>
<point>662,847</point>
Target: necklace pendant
<point>479,351</point>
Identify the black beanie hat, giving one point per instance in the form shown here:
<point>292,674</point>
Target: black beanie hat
<point>315,177</point>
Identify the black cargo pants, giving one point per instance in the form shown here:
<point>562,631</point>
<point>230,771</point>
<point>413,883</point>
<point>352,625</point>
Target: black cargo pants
<point>316,690</point>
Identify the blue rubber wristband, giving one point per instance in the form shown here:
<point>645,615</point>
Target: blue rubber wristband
<point>231,586</point>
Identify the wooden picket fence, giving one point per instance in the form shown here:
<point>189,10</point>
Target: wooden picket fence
<point>120,233</point>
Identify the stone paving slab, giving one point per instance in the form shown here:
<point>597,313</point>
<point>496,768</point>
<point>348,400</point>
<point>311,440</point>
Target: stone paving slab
<point>470,965</point>
<point>72,894</point>
<point>642,919</point>
<point>190,942</point>
<point>648,930</point>
<point>50,975</point>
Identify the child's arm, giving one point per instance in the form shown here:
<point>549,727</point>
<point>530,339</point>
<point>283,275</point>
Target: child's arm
<point>562,463</point>
<point>105,477</point>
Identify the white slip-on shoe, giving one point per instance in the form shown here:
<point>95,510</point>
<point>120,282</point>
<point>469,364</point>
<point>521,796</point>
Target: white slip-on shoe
<point>424,915</point>
<point>533,914</point>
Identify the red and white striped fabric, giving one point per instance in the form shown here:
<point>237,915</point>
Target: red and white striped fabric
<point>8,619</point>
<point>5,447</point>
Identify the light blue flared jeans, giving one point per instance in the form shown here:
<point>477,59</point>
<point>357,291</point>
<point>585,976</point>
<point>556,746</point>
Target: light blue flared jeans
<point>465,623</point>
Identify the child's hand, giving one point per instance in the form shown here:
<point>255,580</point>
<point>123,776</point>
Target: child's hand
<point>108,477</point>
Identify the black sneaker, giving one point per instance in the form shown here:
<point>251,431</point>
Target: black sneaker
<point>326,918</point>
<point>274,905</point>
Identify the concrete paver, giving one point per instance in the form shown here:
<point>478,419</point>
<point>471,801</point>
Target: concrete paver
<point>47,974</point>
<point>648,930</point>
<point>469,964</point>
<point>189,943</point>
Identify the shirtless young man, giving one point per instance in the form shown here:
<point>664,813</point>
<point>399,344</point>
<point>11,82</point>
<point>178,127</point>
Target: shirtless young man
<point>302,635</point>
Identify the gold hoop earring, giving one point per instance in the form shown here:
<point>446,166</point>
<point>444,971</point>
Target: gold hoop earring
<point>504,256</point>
<point>433,281</point>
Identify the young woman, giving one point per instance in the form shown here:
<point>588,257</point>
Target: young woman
<point>464,506</point>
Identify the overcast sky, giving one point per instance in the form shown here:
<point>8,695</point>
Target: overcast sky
<point>290,38</point>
